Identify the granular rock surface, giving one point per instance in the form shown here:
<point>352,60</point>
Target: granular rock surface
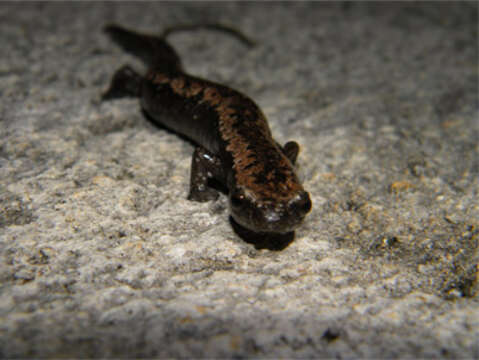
<point>102,255</point>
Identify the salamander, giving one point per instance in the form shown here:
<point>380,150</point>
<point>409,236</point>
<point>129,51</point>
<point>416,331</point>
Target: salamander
<point>234,144</point>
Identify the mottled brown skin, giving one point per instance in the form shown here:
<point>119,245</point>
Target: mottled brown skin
<point>235,145</point>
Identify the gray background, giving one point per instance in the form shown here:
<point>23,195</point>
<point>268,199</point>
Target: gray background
<point>102,255</point>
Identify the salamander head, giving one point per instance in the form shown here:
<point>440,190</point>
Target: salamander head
<point>269,215</point>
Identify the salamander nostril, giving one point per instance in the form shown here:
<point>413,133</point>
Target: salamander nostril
<point>272,217</point>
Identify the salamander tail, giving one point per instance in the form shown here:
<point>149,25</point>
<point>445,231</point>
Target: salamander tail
<point>153,50</point>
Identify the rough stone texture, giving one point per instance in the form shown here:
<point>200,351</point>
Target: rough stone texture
<point>102,255</point>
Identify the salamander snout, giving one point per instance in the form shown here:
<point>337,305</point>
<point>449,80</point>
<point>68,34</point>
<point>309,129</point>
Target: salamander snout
<point>285,217</point>
<point>272,217</point>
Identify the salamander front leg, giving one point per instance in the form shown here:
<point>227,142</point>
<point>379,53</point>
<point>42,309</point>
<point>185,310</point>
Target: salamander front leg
<point>204,166</point>
<point>291,150</point>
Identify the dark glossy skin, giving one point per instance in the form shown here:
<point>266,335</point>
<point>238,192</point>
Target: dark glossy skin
<point>234,143</point>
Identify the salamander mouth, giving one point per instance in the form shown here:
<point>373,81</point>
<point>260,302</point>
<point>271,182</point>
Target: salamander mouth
<point>269,223</point>
<point>263,240</point>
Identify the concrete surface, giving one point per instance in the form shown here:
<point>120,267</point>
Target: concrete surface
<point>102,255</point>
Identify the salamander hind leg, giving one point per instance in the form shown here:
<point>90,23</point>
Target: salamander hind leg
<point>204,166</point>
<point>125,83</point>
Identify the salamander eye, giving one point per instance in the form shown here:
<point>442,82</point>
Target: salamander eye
<point>237,200</point>
<point>307,204</point>
<point>302,204</point>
